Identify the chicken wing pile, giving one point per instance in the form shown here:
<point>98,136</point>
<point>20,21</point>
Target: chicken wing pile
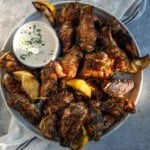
<point>78,98</point>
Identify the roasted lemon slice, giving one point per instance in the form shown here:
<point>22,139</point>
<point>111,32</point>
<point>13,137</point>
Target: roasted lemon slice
<point>85,138</point>
<point>81,86</point>
<point>81,141</point>
<point>29,83</point>
<point>47,9</point>
<point>139,64</point>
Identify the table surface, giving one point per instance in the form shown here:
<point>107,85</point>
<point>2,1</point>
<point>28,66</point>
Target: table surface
<point>134,134</point>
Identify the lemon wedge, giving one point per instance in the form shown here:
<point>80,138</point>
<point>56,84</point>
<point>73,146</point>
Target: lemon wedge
<point>47,9</point>
<point>85,138</point>
<point>139,64</point>
<point>81,86</point>
<point>81,141</point>
<point>29,83</point>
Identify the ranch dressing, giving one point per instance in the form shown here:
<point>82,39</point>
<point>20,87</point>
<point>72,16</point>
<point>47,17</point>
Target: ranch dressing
<point>36,44</point>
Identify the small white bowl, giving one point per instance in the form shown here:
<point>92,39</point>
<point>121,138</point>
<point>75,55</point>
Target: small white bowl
<point>35,44</point>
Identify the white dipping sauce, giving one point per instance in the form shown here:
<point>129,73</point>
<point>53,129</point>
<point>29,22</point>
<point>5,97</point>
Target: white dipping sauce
<point>36,44</point>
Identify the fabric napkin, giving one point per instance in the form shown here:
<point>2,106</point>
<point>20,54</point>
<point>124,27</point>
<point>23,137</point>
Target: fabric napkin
<point>19,138</point>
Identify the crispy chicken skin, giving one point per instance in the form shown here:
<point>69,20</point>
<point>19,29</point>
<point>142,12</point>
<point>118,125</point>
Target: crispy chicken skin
<point>48,126</point>
<point>86,31</point>
<point>70,13</point>
<point>94,123</point>
<point>97,92</point>
<point>122,62</point>
<point>9,62</point>
<point>71,122</point>
<point>95,104</point>
<point>68,19</point>
<point>112,49</point>
<point>70,62</point>
<point>58,101</point>
<point>66,35</point>
<point>125,42</point>
<point>118,107</point>
<point>109,120</point>
<point>21,103</point>
<point>117,87</point>
<point>122,38</point>
<point>48,79</point>
<point>11,84</point>
<point>97,65</point>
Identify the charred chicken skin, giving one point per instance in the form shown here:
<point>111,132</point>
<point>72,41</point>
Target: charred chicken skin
<point>97,65</point>
<point>121,60</point>
<point>97,92</point>
<point>118,107</point>
<point>48,79</point>
<point>48,126</point>
<point>66,35</point>
<point>122,38</point>
<point>70,62</point>
<point>21,103</point>
<point>94,123</point>
<point>70,13</point>
<point>109,120</point>
<point>71,122</point>
<point>11,84</point>
<point>9,62</point>
<point>86,31</point>
<point>58,101</point>
<point>68,19</point>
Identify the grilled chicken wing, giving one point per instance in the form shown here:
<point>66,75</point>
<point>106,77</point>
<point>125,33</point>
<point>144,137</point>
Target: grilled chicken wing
<point>86,32</point>
<point>12,85</point>
<point>68,20</point>
<point>118,107</point>
<point>125,42</point>
<point>118,88</point>
<point>66,35</point>
<point>70,62</point>
<point>28,110</point>
<point>97,65</point>
<point>58,101</point>
<point>70,13</point>
<point>48,126</point>
<point>122,38</point>
<point>121,60</point>
<point>9,62</point>
<point>71,122</point>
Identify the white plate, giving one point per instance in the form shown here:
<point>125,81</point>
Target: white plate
<point>37,17</point>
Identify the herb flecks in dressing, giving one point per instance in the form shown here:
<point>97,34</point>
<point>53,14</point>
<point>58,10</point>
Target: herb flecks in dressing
<point>35,40</point>
<point>36,44</point>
